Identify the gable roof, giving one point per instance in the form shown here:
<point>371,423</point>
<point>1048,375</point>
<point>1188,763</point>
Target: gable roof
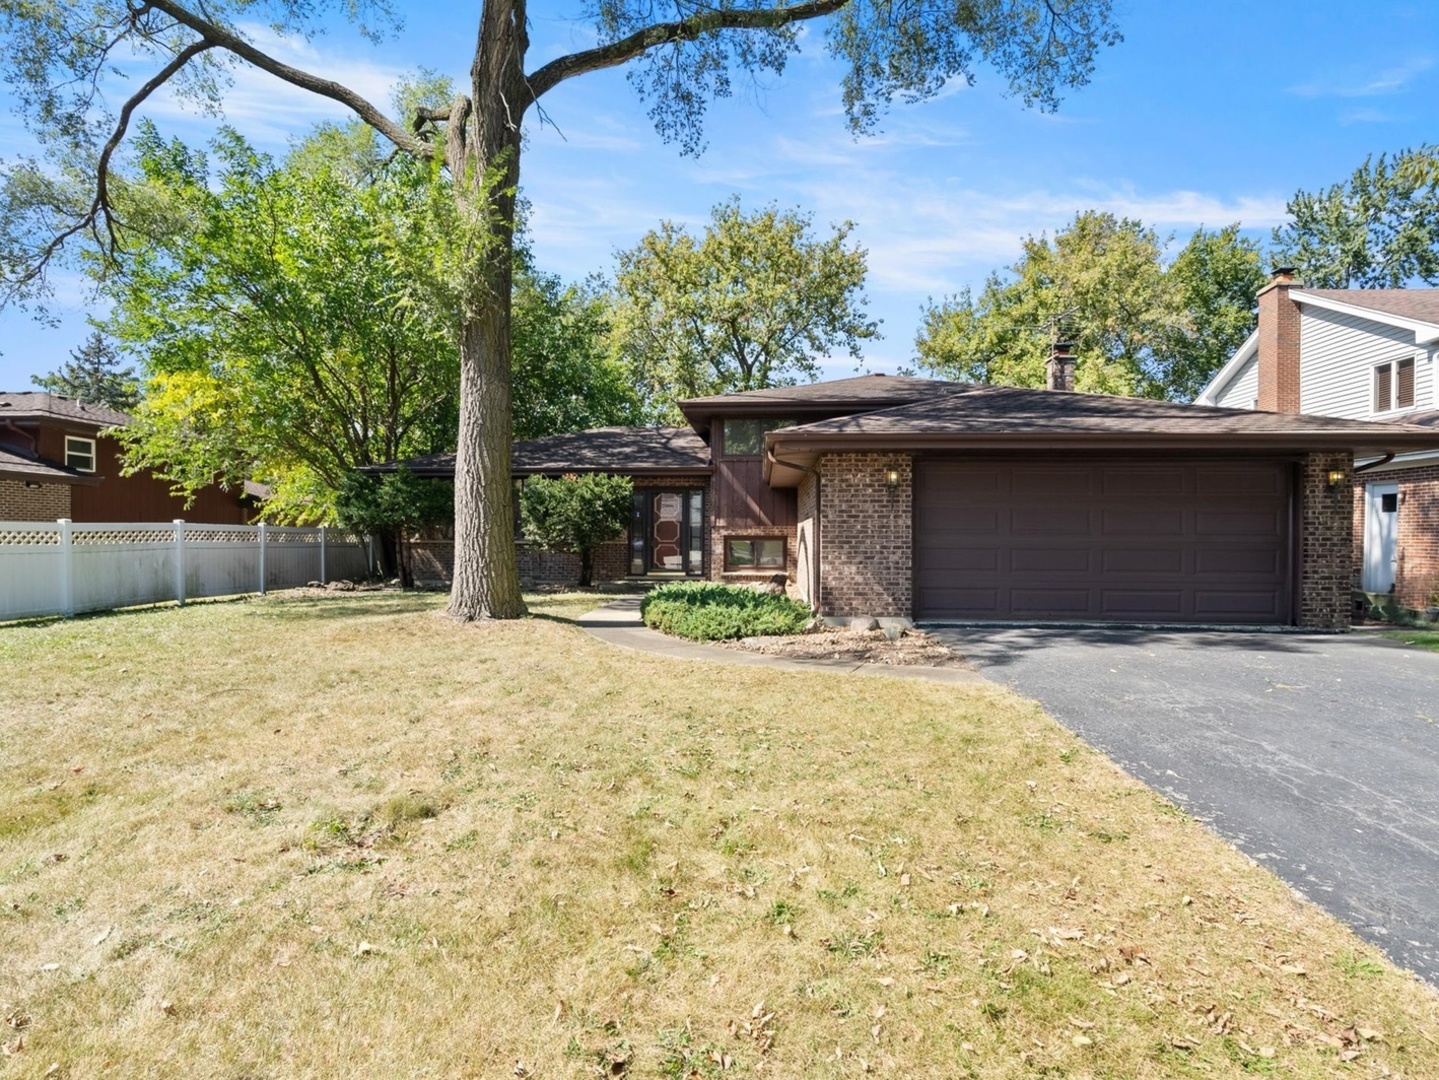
<point>629,451</point>
<point>1006,417</point>
<point>41,404</point>
<point>1420,305</point>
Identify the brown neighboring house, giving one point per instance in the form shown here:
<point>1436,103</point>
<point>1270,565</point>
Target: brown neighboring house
<point>57,460</point>
<point>1358,354</point>
<point>892,496</point>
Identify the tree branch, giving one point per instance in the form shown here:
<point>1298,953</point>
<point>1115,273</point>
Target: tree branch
<point>706,22</point>
<point>219,37</point>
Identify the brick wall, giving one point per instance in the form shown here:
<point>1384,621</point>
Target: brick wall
<point>1416,573</point>
<point>864,536</point>
<point>1326,542</point>
<point>48,502</point>
<point>1278,346</point>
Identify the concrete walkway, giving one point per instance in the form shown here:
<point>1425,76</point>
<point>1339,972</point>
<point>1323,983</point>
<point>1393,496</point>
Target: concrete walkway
<point>619,624</point>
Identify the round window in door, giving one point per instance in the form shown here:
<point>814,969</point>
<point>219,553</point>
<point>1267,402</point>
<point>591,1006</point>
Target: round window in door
<point>666,552</point>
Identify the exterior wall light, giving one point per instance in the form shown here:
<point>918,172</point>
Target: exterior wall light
<point>892,479</point>
<point>1336,477</point>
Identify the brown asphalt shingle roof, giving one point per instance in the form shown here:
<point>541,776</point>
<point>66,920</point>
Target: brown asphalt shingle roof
<point>1420,304</point>
<point>625,450</point>
<point>876,390</point>
<point>30,404</point>
<point>1006,411</point>
<point>21,467</point>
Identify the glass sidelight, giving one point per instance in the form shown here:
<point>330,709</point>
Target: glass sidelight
<point>667,532</point>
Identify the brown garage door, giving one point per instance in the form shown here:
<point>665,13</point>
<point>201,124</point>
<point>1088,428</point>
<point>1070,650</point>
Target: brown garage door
<point>1106,541</point>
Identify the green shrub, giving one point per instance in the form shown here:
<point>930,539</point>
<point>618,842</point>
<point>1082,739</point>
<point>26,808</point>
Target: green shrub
<point>709,611</point>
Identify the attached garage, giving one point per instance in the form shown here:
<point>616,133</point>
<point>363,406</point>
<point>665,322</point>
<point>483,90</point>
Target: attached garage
<point>980,503</point>
<point>1040,539</point>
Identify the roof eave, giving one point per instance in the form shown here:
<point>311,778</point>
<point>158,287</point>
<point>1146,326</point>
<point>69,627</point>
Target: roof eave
<point>1425,333</point>
<point>1231,368</point>
<point>1380,442</point>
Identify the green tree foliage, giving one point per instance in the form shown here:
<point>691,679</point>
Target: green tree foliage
<point>1216,277</point>
<point>281,342</point>
<point>756,301</point>
<point>93,375</point>
<point>565,377</point>
<point>575,513</point>
<point>62,64</point>
<point>1138,327</point>
<point>1379,229</point>
<point>393,506</point>
<point>286,337</point>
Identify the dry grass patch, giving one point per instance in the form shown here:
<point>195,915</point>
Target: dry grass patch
<point>346,836</point>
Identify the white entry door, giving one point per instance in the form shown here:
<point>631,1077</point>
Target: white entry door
<point>1381,519</point>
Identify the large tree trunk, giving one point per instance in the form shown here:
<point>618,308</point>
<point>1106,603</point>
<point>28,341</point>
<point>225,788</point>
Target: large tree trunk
<point>483,153</point>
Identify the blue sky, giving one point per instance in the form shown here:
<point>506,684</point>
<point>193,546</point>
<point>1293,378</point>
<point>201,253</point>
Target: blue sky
<point>1207,113</point>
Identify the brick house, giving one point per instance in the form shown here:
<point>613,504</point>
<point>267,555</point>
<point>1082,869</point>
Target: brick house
<point>58,460</point>
<point>1357,354</point>
<point>893,496</point>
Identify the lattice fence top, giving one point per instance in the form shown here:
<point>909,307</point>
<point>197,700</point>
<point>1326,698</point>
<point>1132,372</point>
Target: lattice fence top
<point>289,536</point>
<point>102,537</point>
<point>239,535</point>
<point>46,537</point>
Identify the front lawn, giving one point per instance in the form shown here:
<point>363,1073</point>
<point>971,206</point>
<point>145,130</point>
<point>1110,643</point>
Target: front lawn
<point>1424,639</point>
<point>344,836</point>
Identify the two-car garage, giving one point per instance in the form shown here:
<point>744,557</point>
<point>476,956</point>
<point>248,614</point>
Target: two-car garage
<point>1043,539</point>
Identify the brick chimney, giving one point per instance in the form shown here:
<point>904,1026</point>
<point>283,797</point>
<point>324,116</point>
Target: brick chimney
<point>1279,344</point>
<point>1061,367</point>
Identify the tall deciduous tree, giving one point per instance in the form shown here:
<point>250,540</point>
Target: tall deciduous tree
<point>1379,229</point>
<point>1138,326</point>
<point>755,301</point>
<point>93,375</point>
<point>281,341</point>
<point>58,55</point>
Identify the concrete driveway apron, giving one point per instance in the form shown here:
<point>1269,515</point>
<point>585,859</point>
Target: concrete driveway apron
<point>1316,755</point>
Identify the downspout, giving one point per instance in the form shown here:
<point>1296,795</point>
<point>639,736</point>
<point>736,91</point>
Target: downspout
<point>1385,460</point>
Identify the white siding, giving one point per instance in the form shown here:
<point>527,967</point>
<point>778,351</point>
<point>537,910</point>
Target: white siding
<point>1337,357</point>
<point>1243,390</point>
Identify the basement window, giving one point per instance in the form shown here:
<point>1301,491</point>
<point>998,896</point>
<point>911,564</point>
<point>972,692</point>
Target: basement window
<point>754,553</point>
<point>1394,385</point>
<point>80,454</point>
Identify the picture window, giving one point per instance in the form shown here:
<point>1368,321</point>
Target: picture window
<point>754,553</point>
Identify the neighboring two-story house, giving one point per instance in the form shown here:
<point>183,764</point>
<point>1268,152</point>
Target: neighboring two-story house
<point>891,496</point>
<point>57,461</point>
<point>1357,354</point>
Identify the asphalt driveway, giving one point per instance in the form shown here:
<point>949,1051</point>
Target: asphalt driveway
<point>1316,755</point>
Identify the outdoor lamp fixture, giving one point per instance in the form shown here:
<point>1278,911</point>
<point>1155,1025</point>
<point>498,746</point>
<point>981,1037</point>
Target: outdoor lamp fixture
<point>892,479</point>
<point>1336,477</point>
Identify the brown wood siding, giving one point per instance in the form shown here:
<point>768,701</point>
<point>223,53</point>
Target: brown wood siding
<point>1119,541</point>
<point>742,499</point>
<point>140,497</point>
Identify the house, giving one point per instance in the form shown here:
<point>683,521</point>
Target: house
<point>57,460</point>
<point>892,496</point>
<point>1357,354</point>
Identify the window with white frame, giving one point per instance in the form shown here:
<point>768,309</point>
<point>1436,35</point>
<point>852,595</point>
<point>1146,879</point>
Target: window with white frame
<point>1394,385</point>
<point>80,453</point>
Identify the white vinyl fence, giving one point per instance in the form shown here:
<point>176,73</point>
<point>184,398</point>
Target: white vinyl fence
<point>65,567</point>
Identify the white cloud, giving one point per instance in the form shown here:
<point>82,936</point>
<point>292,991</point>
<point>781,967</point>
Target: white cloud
<point>1349,85</point>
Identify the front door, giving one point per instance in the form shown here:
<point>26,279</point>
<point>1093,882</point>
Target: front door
<point>1381,537</point>
<point>667,532</point>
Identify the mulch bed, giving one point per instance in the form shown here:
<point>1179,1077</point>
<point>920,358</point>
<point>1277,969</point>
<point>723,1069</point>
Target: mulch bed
<point>913,648</point>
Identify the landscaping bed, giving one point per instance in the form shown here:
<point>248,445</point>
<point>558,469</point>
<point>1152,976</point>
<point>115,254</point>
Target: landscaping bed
<point>909,648</point>
<point>710,611</point>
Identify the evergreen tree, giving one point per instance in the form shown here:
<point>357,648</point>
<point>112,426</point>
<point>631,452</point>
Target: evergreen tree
<point>94,376</point>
